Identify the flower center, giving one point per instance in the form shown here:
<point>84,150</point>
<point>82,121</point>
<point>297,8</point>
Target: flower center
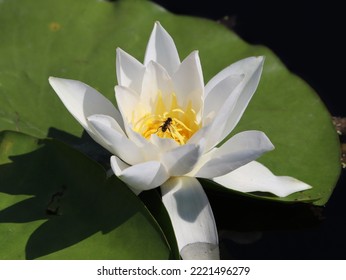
<point>174,123</point>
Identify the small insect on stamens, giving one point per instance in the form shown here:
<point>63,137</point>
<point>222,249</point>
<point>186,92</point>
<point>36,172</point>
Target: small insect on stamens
<point>166,124</point>
<point>170,125</point>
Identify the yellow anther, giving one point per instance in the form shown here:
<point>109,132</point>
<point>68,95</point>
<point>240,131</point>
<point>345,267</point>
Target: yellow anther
<point>174,123</point>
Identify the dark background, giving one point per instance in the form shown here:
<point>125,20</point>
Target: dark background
<point>306,36</point>
<point>308,39</point>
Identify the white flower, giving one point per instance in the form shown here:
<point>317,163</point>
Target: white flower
<point>167,131</point>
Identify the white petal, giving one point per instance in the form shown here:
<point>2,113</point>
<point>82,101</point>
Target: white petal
<point>181,160</point>
<point>200,251</point>
<point>214,130</point>
<point>200,135</point>
<point>254,177</point>
<point>118,144</point>
<point>233,108</point>
<point>161,49</point>
<point>188,82</point>
<point>192,218</point>
<point>83,101</point>
<point>219,112</point>
<point>239,150</point>
<point>129,103</point>
<point>245,66</point>
<point>133,109</point>
<point>148,149</point>
<point>156,81</point>
<point>129,71</point>
<point>142,176</point>
<point>163,144</point>
<point>218,95</point>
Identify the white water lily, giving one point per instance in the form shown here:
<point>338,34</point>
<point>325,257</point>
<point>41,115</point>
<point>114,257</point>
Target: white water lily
<point>166,133</point>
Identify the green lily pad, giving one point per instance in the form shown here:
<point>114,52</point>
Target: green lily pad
<point>55,203</point>
<point>77,40</point>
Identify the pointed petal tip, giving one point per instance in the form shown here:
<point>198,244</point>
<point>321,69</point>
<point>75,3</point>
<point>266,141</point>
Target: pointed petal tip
<point>96,118</point>
<point>295,186</point>
<point>260,58</point>
<point>195,52</point>
<point>268,145</point>
<point>256,61</point>
<point>195,55</point>
<point>52,80</point>
<point>161,48</point>
<point>55,81</point>
<point>118,50</point>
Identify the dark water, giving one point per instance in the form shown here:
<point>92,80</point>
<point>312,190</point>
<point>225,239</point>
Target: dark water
<point>307,38</point>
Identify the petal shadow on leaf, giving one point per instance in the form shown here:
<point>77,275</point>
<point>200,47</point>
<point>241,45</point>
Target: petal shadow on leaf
<point>74,200</point>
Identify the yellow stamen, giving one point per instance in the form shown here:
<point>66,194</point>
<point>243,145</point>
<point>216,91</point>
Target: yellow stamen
<point>175,122</point>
